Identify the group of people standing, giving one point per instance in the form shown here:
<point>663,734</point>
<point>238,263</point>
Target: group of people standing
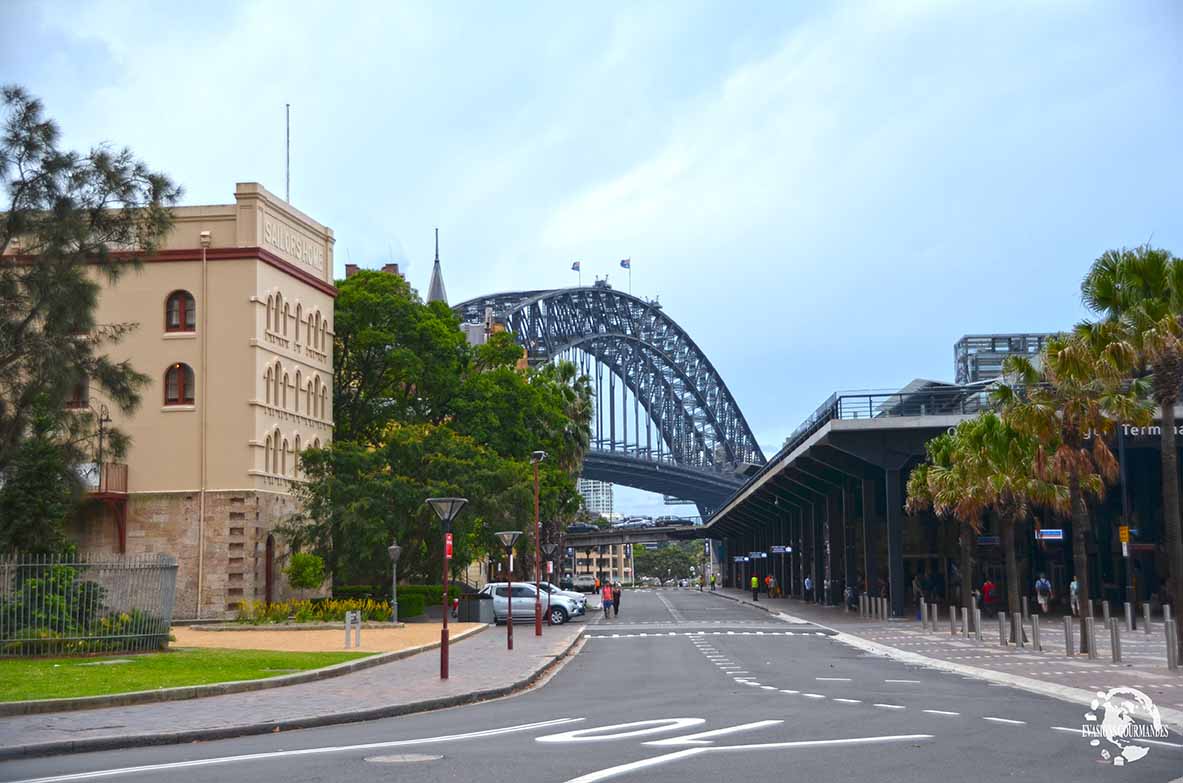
<point>610,596</point>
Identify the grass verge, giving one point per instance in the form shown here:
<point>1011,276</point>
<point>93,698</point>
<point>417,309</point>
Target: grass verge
<point>22,679</point>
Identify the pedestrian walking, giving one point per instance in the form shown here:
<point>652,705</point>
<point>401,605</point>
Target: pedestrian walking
<point>989,595</point>
<point>1074,596</point>
<point>1043,593</point>
<point>808,589</point>
<point>768,585</point>
<point>712,583</point>
<point>606,599</point>
<point>918,592</point>
<point>755,588</point>
<point>616,591</point>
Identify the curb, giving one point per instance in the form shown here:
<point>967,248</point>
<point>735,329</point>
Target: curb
<point>41,706</point>
<point>788,618</point>
<point>312,721</point>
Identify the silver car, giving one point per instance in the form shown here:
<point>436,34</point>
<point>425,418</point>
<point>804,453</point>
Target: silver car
<point>557,609</point>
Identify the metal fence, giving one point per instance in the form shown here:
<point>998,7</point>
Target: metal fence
<point>55,605</point>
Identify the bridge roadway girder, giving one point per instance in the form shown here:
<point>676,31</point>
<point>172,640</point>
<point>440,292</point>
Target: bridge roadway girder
<point>707,489</point>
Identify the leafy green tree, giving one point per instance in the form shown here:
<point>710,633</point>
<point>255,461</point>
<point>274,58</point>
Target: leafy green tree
<point>1069,402</point>
<point>70,221</point>
<point>305,571</point>
<point>1139,295</point>
<point>673,561</point>
<point>395,359</point>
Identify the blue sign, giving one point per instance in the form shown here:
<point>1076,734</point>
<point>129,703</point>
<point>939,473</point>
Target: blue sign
<point>777,550</point>
<point>1049,534</point>
<point>989,540</point>
<point>741,559</point>
<point>756,555</point>
<point>570,551</point>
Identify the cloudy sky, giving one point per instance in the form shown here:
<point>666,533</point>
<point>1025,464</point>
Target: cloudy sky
<point>825,196</point>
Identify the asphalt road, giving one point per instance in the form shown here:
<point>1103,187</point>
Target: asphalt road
<point>681,686</point>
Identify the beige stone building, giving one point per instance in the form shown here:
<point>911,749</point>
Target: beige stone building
<point>235,317</point>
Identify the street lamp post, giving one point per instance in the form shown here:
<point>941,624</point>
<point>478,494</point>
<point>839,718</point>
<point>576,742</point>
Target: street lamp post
<point>537,457</point>
<point>508,538</point>
<point>394,550</point>
<point>549,550</point>
<point>446,509</point>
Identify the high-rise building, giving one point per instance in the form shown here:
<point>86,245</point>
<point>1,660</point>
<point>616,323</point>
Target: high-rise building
<point>979,357</point>
<point>597,496</point>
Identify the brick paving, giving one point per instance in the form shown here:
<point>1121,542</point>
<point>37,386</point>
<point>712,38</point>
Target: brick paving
<point>1143,662</point>
<point>478,663</point>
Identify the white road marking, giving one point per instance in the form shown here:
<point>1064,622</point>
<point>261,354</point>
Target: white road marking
<point>786,690</point>
<point>768,687</point>
<point>849,701</point>
<point>911,681</point>
<point>107,773</point>
<point>832,679</point>
<point>613,731</point>
<point>612,772</point>
<point>813,695</point>
<point>940,712</point>
<point>701,738</point>
<point>1005,720</point>
<point>892,706</point>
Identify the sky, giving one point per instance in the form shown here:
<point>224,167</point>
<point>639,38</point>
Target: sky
<point>824,196</point>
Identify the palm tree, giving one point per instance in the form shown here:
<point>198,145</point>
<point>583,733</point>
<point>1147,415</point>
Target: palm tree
<point>576,394</point>
<point>1069,404</point>
<point>940,485</point>
<point>1139,294</point>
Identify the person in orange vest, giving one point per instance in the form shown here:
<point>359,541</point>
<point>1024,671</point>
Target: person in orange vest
<point>606,597</point>
<point>768,586</point>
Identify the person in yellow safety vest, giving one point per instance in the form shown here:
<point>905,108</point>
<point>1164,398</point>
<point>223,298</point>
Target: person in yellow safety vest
<point>755,588</point>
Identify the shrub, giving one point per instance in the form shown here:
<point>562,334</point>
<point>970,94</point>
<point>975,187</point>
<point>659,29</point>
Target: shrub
<point>346,592</point>
<point>409,605</point>
<point>324,611</point>
<point>305,571</point>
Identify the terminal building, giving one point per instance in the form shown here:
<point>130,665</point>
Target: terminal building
<point>835,494</point>
<point>235,314</point>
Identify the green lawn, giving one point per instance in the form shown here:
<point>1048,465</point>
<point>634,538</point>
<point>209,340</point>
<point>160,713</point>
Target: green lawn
<point>52,678</point>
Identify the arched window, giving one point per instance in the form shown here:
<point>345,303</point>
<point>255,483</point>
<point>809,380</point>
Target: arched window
<point>296,459</point>
<point>275,441</point>
<point>311,331</point>
<point>316,398</point>
<point>316,443</point>
<point>285,391</point>
<point>270,311</point>
<point>278,379</point>
<point>296,389</point>
<point>283,465</point>
<point>267,455</point>
<point>311,398</point>
<point>278,311</point>
<point>180,312</point>
<point>299,317</point>
<point>316,333</point>
<point>324,346</point>
<point>178,385</point>
<point>324,407</point>
<point>286,313</point>
<point>267,384</point>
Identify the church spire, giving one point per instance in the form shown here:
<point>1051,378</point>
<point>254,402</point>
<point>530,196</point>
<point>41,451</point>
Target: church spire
<point>435,289</point>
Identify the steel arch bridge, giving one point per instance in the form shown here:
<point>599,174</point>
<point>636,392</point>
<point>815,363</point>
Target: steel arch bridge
<point>688,439</point>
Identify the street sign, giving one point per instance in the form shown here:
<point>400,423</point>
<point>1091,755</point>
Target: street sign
<point>448,545</point>
<point>989,540</point>
<point>1123,533</point>
<point>570,551</point>
<point>628,550</point>
<point>741,559</point>
<point>706,548</point>
<point>1049,534</point>
<point>550,567</point>
<point>757,555</point>
<point>778,550</point>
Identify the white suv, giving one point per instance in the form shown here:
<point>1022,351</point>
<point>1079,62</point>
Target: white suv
<point>556,608</point>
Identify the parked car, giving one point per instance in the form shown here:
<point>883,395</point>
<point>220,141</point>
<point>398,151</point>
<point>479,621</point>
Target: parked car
<point>557,608</point>
<point>579,598</point>
<point>581,527</point>
<point>567,581</point>
<point>584,583</point>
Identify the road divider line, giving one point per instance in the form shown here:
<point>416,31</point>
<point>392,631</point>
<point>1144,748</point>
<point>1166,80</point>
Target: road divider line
<point>1005,720</point>
<point>832,679</point>
<point>891,706</point>
<point>941,712</point>
<point>848,701</point>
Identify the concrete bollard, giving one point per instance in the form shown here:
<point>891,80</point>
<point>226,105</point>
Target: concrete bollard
<point>1166,613</point>
<point>978,624</point>
<point>1146,618</point>
<point>1090,629</point>
<point>1017,623</point>
<point>1105,612</point>
<point>1091,608</point>
<point>923,615</point>
<point>861,613</point>
<point>1115,640</point>
<point>1172,644</point>
<point>1129,617</point>
<point>952,620</point>
<point>1026,610</point>
<point>1002,629</point>
<point>964,612</point>
<point>1068,637</point>
<point>1035,634</point>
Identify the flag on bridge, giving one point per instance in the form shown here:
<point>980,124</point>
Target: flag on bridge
<point>575,267</point>
<point>626,263</point>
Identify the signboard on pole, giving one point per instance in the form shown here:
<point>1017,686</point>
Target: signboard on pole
<point>1049,534</point>
<point>448,545</point>
<point>1123,534</point>
<point>757,555</point>
<point>550,567</point>
<point>628,550</point>
<point>570,551</point>
<point>989,540</point>
<point>706,548</point>
<point>778,550</point>
<point>741,559</point>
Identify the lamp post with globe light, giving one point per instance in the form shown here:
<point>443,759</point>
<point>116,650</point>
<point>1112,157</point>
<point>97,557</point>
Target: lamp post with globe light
<point>446,509</point>
<point>508,538</point>
<point>537,457</point>
<point>394,550</point>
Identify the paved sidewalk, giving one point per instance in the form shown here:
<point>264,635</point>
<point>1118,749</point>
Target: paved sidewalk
<point>1143,663</point>
<point>480,668</point>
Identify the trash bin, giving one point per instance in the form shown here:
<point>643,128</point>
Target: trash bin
<point>484,607</point>
<point>475,608</point>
